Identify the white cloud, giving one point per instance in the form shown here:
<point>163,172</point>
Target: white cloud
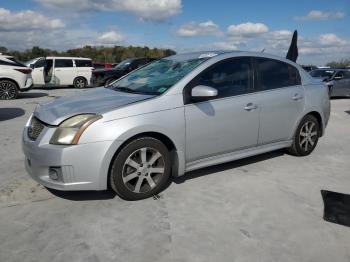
<point>247,29</point>
<point>111,37</point>
<point>331,40</point>
<point>149,10</point>
<point>320,15</point>
<point>26,20</point>
<point>196,29</point>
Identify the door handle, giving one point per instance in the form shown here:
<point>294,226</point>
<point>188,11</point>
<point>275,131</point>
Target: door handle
<point>297,97</point>
<point>250,107</point>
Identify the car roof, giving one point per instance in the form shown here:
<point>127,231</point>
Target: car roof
<point>216,53</point>
<point>67,57</point>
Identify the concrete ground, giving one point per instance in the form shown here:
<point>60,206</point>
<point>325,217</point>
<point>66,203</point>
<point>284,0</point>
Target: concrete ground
<point>264,208</point>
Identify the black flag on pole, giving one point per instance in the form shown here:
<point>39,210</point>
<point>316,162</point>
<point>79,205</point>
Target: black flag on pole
<point>293,49</point>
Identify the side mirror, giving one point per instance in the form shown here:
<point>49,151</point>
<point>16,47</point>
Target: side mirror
<point>32,66</point>
<point>201,92</point>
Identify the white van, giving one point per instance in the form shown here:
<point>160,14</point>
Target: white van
<point>61,71</point>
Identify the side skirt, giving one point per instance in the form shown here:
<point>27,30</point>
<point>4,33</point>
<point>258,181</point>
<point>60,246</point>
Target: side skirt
<point>215,160</point>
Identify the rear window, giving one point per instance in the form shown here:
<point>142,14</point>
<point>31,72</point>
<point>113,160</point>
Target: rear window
<point>13,62</point>
<point>83,63</point>
<point>63,63</point>
<point>276,74</point>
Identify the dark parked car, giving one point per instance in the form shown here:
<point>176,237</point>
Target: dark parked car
<point>101,65</point>
<point>337,80</point>
<point>102,77</point>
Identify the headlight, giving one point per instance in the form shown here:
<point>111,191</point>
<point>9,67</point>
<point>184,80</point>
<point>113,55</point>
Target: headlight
<point>69,131</point>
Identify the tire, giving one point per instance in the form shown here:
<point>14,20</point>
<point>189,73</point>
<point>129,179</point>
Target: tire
<point>8,90</point>
<point>141,169</point>
<point>305,137</point>
<point>80,82</point>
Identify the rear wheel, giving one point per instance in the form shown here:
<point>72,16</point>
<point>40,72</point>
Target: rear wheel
<point>141,169</point>
<point>80,82</point>
<point>8,90</point>
<point>306,136</point>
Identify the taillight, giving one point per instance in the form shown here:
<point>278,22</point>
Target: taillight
<point>26,71</point>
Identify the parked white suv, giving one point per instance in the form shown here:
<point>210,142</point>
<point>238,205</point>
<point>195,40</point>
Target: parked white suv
<point>15,77</point>
<point>61,71</point>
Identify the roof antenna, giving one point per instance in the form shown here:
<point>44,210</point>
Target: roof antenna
<point>263,50</point>
<point>292,54</point>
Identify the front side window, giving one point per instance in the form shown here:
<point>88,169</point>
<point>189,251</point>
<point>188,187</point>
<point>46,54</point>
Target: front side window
<point>322,73</point>
<point>63,63</point>
<point>230,77</point>
<point>157,77</point>
<point>40,63</point>
<point>276,74</point>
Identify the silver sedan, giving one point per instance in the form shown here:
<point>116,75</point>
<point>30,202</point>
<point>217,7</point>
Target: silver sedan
<point>172,116</point>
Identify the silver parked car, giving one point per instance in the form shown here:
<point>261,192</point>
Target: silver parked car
<point>172,116</point>
<point>337,80</point>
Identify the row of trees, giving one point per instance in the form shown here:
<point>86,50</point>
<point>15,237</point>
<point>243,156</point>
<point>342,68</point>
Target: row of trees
<point>113,54</point>
<point>339,64</point>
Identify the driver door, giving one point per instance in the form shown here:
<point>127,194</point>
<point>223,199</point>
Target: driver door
<point>38,72</point>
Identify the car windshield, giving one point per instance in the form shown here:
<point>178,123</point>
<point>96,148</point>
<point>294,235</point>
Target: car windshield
<point>157,77</point>
<point>123,64</point>
<point>322,73</point>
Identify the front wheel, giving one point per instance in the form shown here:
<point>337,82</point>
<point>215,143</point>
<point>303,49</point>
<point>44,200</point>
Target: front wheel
<point>141,169</point>
<point>8,90</point>
<point>80,82</point>
<point>306,136</point>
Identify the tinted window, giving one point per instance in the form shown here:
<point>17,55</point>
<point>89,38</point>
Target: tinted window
<point>230,77</point>
<point>63,63</point>
<point>83,63</point>
<point>275,74</point>
<point>347,74</point>
<point>13,62</point>
<point>321,73</point>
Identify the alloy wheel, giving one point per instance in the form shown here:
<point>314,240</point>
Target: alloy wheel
<point>143,169</point>
<point>80,83</point>
<point>308,136</point>
<point>7,90</point>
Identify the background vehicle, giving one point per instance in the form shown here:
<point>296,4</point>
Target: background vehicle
<point>172,116</point>
<point>101,65</point>
<point>308,68</point>
<point>337,80</point>
<point>101,77</point>
<point>61,71</point>
<point>15,77</point>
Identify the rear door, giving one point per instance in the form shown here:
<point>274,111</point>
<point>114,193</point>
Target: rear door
<point>64,72</point>
<point>281,97</point>
<point>84,68</point>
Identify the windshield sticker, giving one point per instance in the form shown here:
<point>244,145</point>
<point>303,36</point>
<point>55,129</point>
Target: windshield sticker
<point>208,55</point>
<point>162,90</point>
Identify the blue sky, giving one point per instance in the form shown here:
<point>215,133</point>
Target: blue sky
<point>182,25</point>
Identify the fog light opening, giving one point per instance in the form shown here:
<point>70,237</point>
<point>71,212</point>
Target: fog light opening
<point>54,173</point>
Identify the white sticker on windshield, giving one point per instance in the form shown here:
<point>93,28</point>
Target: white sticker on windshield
<point>208,55</point>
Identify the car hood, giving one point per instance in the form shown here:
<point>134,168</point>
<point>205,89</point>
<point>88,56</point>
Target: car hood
<point>97,101</point>
<point>107,70</point>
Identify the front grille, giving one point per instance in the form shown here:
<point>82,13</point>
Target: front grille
<point>35,128</point>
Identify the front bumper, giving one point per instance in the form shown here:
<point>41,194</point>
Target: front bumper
<point>82,166</point>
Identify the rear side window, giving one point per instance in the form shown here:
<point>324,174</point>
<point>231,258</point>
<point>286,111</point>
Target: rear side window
<point>230,77</point>
<point>83,63</point>
<point>276,74</point>
<point>63,63</point>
